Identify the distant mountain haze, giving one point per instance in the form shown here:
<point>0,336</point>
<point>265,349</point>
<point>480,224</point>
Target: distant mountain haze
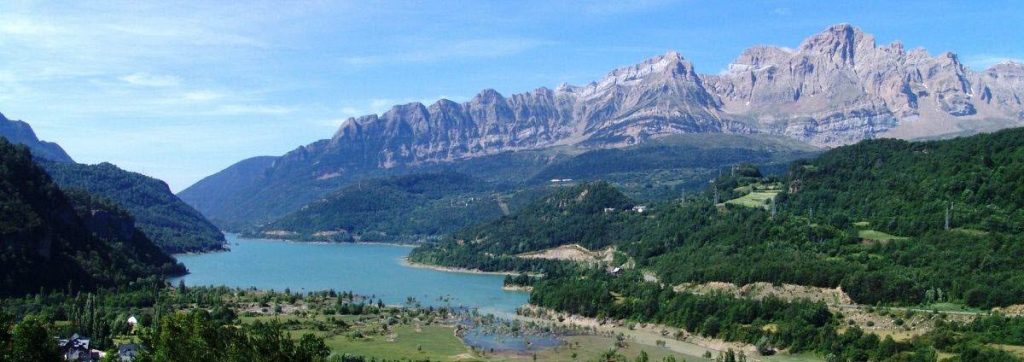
<point>836,88</point>
<point>19,132</point>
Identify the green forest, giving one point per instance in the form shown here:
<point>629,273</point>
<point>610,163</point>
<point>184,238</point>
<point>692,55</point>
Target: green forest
<point>173,225</point>
<point>70,242</point>
<point>870,218</point>
<point>400,208</point>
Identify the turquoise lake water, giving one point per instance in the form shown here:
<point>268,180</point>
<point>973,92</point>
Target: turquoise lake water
<point>366,269</point>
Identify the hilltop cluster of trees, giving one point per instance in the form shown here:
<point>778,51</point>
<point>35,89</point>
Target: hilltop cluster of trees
<point>173,225</point>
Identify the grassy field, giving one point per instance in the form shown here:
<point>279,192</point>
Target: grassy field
<point>1017,350</point>
<point>754,199</point>
<point>971,232</point>
<point>437,343</point>
<point>876,235</point>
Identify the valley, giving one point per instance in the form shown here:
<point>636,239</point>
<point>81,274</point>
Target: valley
<point>837,200</point>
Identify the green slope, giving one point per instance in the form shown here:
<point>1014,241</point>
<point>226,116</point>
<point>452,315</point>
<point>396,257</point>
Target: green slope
<point>900,187</point>
<point>52,241</point>
<point>261,190</point>
<point>401,208</point>
<point>171,223</point>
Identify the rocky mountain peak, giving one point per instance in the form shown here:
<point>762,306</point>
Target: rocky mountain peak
<point>671,64</point>
<point>1008,69</point>
<point>488,96</point>
<point>840,43</point>
<point>835,88</point>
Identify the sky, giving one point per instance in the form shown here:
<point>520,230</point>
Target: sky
<point>181,90</point>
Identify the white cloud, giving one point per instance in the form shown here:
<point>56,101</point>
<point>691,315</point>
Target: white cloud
<point>378,106</point>
<point>150,80</point>
<point>464,49</point>
<point>623,6</point>
<point>26,27</point>
<point>239,109</point>
<point>202,96</point>
<point>984,61</point>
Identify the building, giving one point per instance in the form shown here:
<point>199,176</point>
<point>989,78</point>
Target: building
<point>132,322</point>
<point>128,352</point>
<point>640,208</point>
<point>77,349</point>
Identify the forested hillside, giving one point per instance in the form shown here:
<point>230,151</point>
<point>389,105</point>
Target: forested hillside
<point>657,169</point>
<point>869,218</point>
<point>171,223</point>
<point>66,242</point>
<point>400,208</point>
<point>905,188</point>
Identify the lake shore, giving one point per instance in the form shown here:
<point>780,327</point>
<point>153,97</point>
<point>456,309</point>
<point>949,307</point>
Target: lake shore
<point>325,242</point>
<point>674,339</point>
<point>409,263</point>
<point>517,288</point>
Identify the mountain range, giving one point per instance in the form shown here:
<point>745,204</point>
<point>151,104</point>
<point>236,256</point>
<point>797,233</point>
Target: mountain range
<point>165,219</point>
<point>836,88</point>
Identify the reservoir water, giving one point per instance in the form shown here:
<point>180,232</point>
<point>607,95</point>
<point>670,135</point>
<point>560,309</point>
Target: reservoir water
<point>366,269</point>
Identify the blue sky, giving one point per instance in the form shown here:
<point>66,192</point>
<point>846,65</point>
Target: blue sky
<point>180,91</point>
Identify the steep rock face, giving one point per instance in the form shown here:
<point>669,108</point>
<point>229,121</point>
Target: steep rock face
<point>21,133</point>
<point>838,87</point>
<point>660,96</point>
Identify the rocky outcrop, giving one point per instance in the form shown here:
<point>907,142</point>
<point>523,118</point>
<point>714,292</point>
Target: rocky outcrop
<point>839,87</point>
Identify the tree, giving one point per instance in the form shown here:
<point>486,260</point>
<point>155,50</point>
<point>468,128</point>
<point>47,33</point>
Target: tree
<point>31,342</point>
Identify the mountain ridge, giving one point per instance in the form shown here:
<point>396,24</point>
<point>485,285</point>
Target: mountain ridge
<point>66,240</point>
<point>20,132</point>
<point>165,219</point>
<point>836,88</point>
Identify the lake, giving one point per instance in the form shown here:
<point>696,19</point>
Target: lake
<point>374,270</point>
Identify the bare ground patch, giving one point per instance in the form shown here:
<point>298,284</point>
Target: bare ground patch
<point>762,290</point>
<point>573,252</point>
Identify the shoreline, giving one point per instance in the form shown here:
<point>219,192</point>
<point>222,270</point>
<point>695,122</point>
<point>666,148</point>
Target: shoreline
<point>517,288</point>
<point>412,264</point>
<point>647,334</point>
